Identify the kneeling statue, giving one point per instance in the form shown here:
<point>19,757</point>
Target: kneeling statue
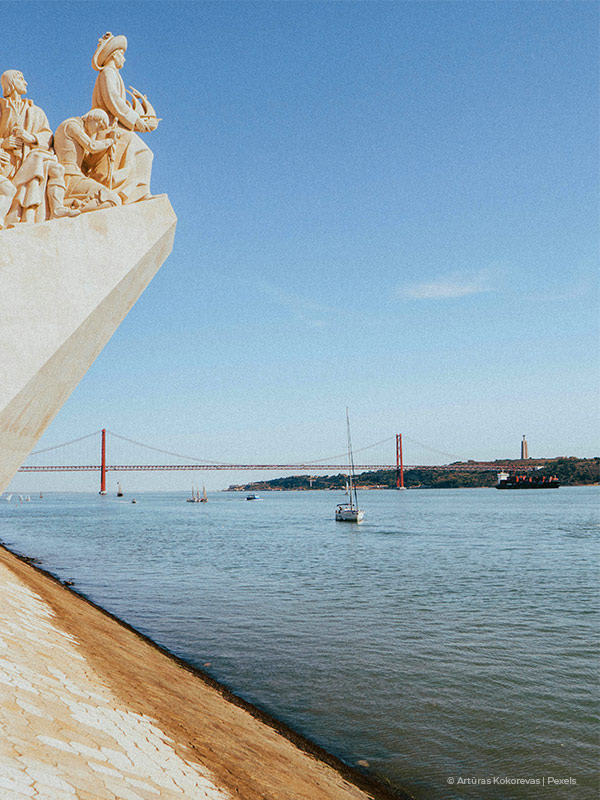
<point>74,140</point>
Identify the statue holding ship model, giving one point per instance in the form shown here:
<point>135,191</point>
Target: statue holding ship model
<point>92,162</point>
<point>126,167</point>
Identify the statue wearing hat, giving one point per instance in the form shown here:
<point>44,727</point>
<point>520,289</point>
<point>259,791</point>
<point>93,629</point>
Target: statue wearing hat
<point>126,167</point>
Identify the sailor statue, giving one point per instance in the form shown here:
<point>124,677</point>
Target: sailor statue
<point>125,168</point>
<point>27,160</point>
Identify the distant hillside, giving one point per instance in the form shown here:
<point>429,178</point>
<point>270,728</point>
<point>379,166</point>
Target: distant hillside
<point>570,472</point>
<point>575,471</point>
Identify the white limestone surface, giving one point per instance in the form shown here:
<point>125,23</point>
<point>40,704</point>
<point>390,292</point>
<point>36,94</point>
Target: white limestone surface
<point>63,734</point>
<point>65,286</point>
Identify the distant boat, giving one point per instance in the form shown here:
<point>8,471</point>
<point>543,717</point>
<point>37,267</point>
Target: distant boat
<point>192,499</point>
<point>350,512</point>
<point>252,497</point>
<point>119,489</point>
<point>28,499</point>
<point>195,497</point>
<point>134,500</point>
<point>507,480</point>
<point>9,498</point>
<point>41,495</point>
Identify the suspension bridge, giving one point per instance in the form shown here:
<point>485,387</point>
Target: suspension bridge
<point>96,459</point>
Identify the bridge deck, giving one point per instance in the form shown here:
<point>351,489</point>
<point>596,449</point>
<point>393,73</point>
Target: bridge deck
<point>481,466</point>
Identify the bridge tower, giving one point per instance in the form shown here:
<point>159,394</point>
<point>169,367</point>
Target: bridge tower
<point>399,463</point>
<point>103,464</point>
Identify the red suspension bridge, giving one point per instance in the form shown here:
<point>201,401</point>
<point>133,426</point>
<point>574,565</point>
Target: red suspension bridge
<point>191,463</point>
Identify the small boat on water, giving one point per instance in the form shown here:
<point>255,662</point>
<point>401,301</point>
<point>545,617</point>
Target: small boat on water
<point>204,497</point>
<point>119,489</point>
<point>252,497</point>
<point>350,512</point>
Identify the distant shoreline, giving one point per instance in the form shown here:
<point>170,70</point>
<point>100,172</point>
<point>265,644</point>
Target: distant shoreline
<point>569,471</point>
<point>381,489</point>
<point>138,492</point>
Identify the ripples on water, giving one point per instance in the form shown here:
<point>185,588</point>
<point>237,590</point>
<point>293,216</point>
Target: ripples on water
<point>453,634</point>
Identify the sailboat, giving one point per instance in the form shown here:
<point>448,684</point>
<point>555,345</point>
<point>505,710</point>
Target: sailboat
<point>350,512</point>
<point>119,489</point>
<point>196,496</point>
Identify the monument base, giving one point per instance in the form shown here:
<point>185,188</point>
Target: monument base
<point>65,287</point>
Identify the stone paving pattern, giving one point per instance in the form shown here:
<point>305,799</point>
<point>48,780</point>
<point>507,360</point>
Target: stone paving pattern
<point>63,733</point>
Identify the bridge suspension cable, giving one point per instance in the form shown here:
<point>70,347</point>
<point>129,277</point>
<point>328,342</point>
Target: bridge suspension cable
<point>433,449</point>
<point>169,452</point>
<point>359,450</point>
<point>64,444</point>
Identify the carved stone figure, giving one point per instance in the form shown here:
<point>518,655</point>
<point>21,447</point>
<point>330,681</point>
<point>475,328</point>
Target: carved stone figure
<point>7,190</point>
<point>34,170</point>
<point>128,169</point>
<point>75,139</point>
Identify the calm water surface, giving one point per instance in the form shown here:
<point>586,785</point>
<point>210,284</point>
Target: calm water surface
<point>453,635</point>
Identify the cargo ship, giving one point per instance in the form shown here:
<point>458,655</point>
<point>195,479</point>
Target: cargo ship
<point>507,480</point>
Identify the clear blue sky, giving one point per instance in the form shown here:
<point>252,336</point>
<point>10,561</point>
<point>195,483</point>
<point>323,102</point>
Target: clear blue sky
<point>391,206</point>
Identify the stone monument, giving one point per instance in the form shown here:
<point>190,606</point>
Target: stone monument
<point>81,237</point>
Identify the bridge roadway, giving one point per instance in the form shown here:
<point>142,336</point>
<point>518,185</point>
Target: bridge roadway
<point>480,466</point>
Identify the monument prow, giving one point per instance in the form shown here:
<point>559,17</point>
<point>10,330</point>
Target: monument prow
<point>65,286</point>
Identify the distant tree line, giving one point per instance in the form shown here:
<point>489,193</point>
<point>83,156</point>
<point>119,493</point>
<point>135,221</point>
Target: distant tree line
<point>569,471</point>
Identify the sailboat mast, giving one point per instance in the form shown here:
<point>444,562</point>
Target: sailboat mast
<point>350,462</point>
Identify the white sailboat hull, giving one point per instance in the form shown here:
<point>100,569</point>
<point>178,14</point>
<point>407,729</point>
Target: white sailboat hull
<point>349,515</point>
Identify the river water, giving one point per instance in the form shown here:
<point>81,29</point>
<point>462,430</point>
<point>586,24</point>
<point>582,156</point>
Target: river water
<point>452,637</point>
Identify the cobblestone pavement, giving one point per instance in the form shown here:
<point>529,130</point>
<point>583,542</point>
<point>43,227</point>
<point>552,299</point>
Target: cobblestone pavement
<point>63,734</point>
